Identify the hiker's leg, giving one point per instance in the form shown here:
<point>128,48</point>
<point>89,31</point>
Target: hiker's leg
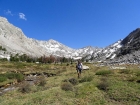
<point>78,75</point>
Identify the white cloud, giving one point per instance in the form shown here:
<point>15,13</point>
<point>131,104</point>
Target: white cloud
<point>22,16</point>
<point>8,12</point>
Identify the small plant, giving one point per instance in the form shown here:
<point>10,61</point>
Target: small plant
<point>42,81</point>
<point>132,79</point>
<point>138,73</point>
<point>2,78</point>
<point>86,79</point>
<point>138,80</point>
<point>73,81</point>
<point>20,65</point>
<point>67,86</point>
<point>10,75</point>
<point>125,71</point>
<point>25,88</point>
<point>103,72</point>
<point>103,85</point>
<point>17,76</point>
<point>65,80</point>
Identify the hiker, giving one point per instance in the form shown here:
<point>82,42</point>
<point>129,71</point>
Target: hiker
<point>79,68</point>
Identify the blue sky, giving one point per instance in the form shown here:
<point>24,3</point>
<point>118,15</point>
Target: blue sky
<point>75,23</point>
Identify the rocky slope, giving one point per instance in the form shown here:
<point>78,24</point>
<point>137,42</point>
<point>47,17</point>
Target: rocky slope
<point>123,51</point>
<point>13,39</point>
<point>130,50</point>
<point>131,43</point>
<point>106,53</point>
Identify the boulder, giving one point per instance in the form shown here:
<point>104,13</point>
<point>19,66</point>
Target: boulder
<point>116,67</point>
<point>85,67</point>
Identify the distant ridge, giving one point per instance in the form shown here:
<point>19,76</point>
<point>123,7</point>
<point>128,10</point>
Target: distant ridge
<point>13,39</point>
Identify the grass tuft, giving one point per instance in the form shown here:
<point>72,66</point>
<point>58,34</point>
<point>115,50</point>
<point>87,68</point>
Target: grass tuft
<point>86,79</point>
<point>42,81</point>
<point>103,85</point>
<point>67,86</point>
<point>73,81</point>
<point>138,73</point>
<point>25,88</point>
<point>103,72</point>
<point>125,71</point>
<point>2,78</point>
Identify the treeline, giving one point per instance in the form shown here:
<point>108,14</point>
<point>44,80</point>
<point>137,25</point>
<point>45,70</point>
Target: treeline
<point>23,58</point>
<point>42,59</point>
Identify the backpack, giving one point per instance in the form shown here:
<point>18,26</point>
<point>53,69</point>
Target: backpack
<point>79,66</point>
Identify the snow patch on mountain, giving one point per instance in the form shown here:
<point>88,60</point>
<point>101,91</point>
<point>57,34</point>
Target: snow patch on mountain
<point>107,52</point>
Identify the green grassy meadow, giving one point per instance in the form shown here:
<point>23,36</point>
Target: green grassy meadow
<point>97,86</point>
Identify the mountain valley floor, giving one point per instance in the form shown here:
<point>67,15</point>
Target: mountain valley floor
<point>57,84</point>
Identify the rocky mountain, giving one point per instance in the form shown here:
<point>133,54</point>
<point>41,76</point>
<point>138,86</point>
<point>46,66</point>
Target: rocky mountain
<point>13,39</point>
<point>130,50</point>
<point>131,43</point>
<point>106,53</point>
<point>123,51</point>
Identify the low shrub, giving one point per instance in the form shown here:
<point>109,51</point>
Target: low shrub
<point>42,81</point>
<point>125,71</point>
<point>66,86</point>
<point>138,73</point>
<point>2,78</point>
<point>25,88</point>
<point>73,81</point>
<point>138,80</point>
<point>17,76</point>
<point>20,65</point>
<point>10,75</point>
<point>103,85</point>
<point>86,79</point>
<point>103,72</point>
<point>65,80</point>
<point>132,79</point>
